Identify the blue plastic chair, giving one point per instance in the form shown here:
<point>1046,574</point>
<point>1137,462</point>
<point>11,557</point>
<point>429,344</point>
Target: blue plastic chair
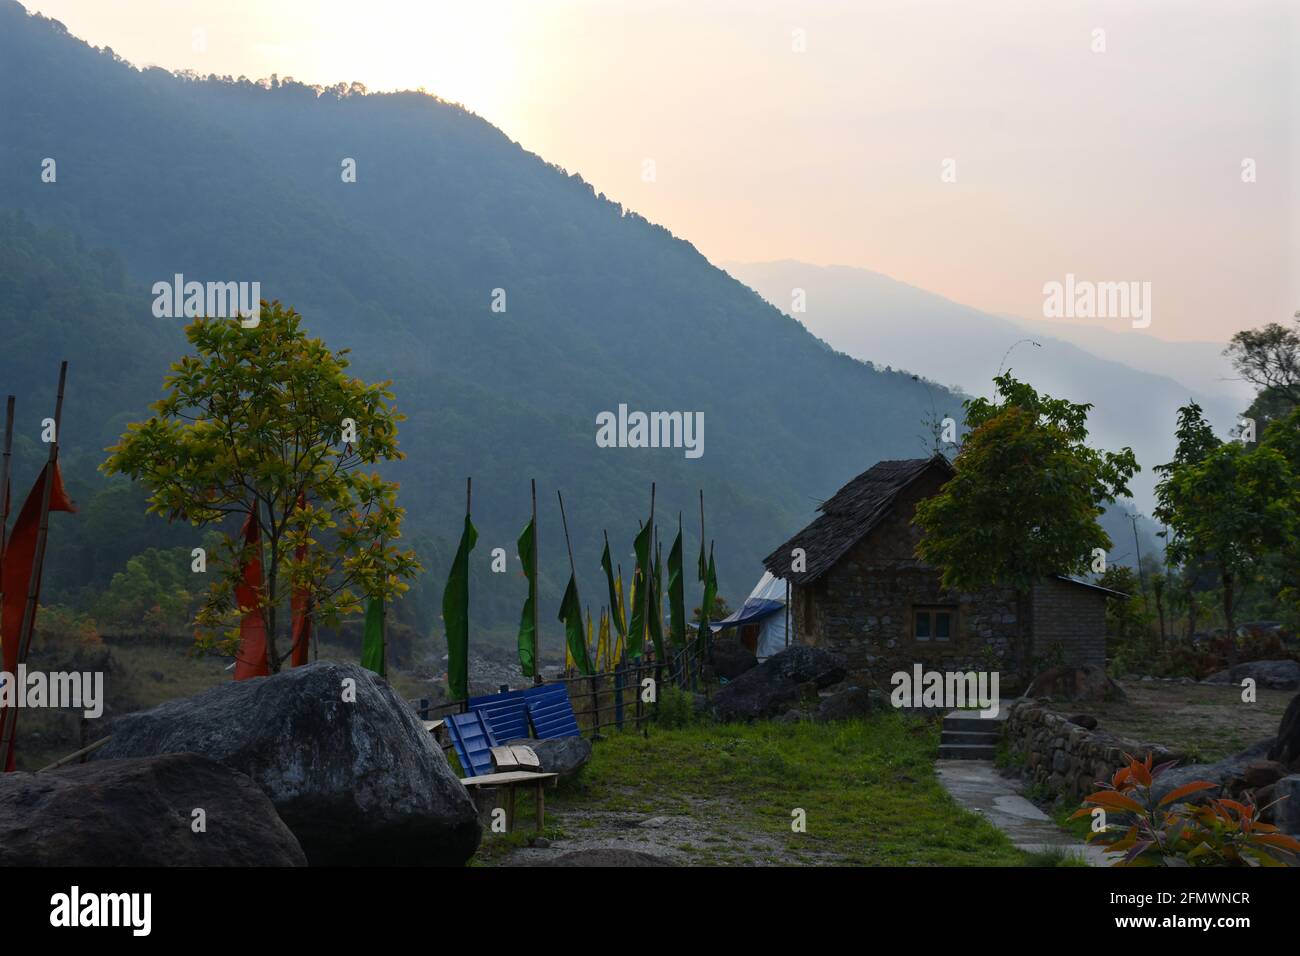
<point>473,740</point>
<point>551,712</point>
<point>506,714</point>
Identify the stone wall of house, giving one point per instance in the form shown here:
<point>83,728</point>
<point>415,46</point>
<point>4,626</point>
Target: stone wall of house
<point>1066,758</point>
<point>1068,621</point>
<point>862,607</point>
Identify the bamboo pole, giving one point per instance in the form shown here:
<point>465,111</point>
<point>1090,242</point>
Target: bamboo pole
<point>63,761</point>
<point>4,480</point>
<point>38,559</point>
<point>705,582</point>
<point>645,617</point>
<point>565,521</point>
<point>572,571</point>
<point>537,573</point>
<point>4,531</point>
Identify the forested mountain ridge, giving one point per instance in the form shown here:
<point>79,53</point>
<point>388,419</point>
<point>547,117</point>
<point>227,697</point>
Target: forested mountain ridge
<point>222,180</point>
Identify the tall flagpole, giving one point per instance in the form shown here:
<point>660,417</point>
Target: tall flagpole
<point>645,617</point>
<point>537,633</point>
<point>574,574</point>
<point>4,526</point>
<point>38,559</point>
<point>4,480</point>
<point>700,634</point>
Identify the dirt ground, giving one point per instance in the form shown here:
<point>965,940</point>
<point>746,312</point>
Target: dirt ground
<point>711,835</point>
<point>1205,721</point>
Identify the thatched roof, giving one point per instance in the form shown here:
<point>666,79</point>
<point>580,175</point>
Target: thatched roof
<point>849,515</point>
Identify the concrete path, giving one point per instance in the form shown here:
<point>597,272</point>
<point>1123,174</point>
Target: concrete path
<point>978,787</point>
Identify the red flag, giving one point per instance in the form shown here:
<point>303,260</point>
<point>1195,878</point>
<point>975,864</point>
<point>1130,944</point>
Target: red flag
<point>20,554</point>
<point>250,659</point>
<point>301,609</point>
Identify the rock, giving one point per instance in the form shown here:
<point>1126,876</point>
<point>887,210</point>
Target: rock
<point>540,843</point>
<point>357,782</point>
<point>848,704</point>
<point>1223,773</point>
<point>1086,682</point>
<point>1275,675</point>
<point>1086,721</point>
<point>1286,746</point>
<point>1286,815</point>
<point>791,716</point>
<point>1262,773</point>
<point>562,755</point>
<point>774,686</point>
<point>730,659</point>
<point>140,812</point>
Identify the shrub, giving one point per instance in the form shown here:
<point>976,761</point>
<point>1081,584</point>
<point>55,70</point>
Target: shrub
<point>675,709</point>
<point>1219,832</point>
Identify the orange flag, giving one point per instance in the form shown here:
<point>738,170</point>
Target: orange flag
<point>301,610</point>
<point>20,554</point>
<point>250,659</point>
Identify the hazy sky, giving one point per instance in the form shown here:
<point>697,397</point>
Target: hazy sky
<point>1122,165</point>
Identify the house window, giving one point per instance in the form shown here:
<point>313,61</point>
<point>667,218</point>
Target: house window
<point>933,623</point>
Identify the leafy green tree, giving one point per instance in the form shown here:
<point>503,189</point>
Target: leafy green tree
<point>1196,439</point>
<point>1027,493</point>
<point>155,587</point>
<point>1026,496</point>
<point>254,419</point>
<point>1283,437</point>
<point>1269,358</point>
<point>1226,505</point>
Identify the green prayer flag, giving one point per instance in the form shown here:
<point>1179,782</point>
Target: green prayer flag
<point>655,623</point>
<point>455,615</point>
<point>527,628</point>
<point>616,605</point>
<point>372,647</point>
<point>637,627</point>
<point>676,593</point>
<point>706,603</point>
<point>571,615</point>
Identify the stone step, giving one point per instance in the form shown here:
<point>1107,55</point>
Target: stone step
<point>971,722</point>
<point>969,737</point>
<point>967,751</point>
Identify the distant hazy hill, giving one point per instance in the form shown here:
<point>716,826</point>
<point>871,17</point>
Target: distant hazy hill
<point>1200,366</point>
<point>868,314</point>
<point>232,181</point>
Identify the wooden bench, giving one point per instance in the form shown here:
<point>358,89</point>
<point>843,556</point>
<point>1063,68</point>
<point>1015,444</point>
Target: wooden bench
<point>510,780</point>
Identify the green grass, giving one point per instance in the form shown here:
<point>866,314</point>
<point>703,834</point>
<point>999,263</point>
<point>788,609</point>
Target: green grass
<point>1055,856</point>
<point>868,789</point>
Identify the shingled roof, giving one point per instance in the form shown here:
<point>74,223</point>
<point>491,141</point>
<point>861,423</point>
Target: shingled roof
<point>848,515</point>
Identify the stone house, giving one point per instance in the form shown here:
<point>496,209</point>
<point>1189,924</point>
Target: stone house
<point>864,594</point>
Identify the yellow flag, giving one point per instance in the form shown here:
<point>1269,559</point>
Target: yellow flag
<point>602,643</point>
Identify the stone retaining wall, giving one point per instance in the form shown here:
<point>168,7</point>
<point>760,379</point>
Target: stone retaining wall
<point>1065,758</point>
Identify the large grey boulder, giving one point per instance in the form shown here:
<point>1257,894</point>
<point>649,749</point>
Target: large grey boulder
<point>141,812</point>
<point>1229,773</point>
<point>730,658</point>
<point>1286,746</point>
<point>344,759</point>
<point>773,686</point>
<point>1286,814</point>
<point>1274,675</point>
<point>562,755</point>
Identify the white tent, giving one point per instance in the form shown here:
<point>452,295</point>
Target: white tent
<point>764,609</point>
